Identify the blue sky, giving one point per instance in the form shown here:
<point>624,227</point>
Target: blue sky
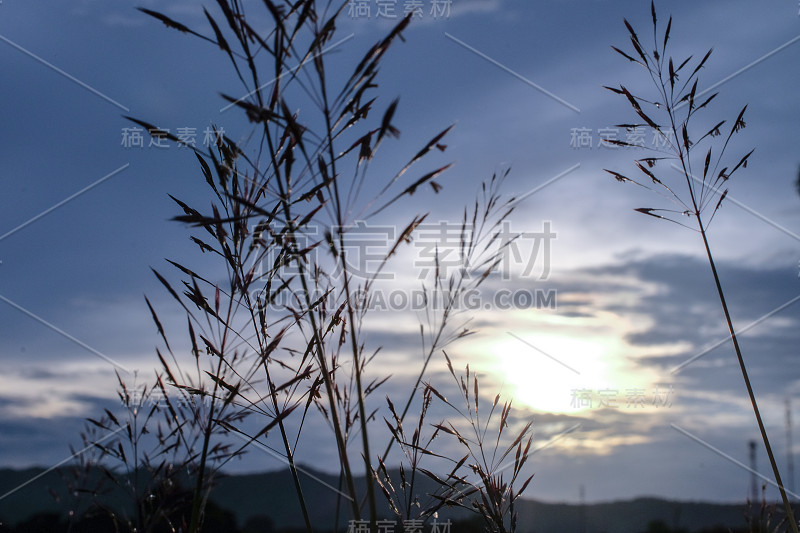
<point>519,80</point>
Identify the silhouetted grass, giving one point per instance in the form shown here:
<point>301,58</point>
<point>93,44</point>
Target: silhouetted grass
<point>281,336</point>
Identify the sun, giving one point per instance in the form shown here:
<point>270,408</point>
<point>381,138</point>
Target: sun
<point>556,373</point>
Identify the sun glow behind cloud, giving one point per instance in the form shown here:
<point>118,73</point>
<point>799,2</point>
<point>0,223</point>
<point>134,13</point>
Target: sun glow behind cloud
<point>548,371</point>
<point>574,365</point>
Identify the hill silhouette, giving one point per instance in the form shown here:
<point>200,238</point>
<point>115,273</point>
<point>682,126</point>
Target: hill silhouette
<point>269,498</point>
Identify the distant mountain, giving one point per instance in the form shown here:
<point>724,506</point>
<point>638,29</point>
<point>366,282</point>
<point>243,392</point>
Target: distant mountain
<point>273,494</point>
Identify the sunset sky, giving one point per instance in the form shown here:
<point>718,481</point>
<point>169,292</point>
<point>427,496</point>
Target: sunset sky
<point>629,380</point>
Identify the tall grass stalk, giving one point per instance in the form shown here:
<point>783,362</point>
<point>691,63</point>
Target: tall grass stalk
<point>669,115</point>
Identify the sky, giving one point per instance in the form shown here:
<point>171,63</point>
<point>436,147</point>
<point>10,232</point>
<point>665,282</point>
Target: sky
<point>629,380</point>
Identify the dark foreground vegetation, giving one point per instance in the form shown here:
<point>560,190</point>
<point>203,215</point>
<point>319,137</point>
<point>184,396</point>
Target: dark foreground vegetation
<point>260,503</point>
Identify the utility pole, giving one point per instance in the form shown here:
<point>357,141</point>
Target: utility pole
<point>753,479</point>
<point>789,453</point>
